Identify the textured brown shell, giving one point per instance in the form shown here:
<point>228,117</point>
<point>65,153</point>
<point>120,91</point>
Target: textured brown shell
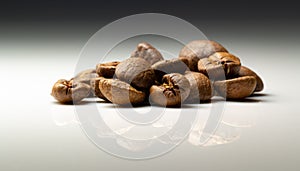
<point>244,71</point>
<point>212,70</point>
<point>120,92</point>
<point>85,76</point>
<point>174,90</point>
<point>169,66</point>
<point>201,89</point>
<point>107,69</point>
<point>220,65</point>
<point>137,72</point>
<point>66,91</point>
<point>236,88</point>
<point>95,87</point>
<point>148,52</point>
<point>199,49</point>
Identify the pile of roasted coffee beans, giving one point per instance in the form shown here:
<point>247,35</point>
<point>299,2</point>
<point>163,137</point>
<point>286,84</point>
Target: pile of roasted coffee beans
<point>203,69</point>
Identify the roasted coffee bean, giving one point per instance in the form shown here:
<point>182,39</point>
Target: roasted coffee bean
<point>203,69</point>
<point>95,87</point>
<point>199,49</point>
<point>191,62</point>
<point>120,92</point>
<point>66,91</point>
<point>169,66</point>
<point>236,88</point>
<point>137,72</point>
<point>219,65</point>
<point>148,52</point>
<point>201,89</point>
<point>85,76</point>
<point>85,73</point>
<point>107,69</point>
<point>212,69</point>
<point>244,71</point>
<point>184,60</point>
<point>174,89</point>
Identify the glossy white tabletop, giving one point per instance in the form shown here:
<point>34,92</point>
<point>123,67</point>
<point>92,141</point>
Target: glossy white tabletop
<point>260,133</point>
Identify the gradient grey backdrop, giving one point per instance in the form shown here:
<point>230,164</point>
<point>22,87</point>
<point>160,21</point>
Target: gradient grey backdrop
<point>36,35</point>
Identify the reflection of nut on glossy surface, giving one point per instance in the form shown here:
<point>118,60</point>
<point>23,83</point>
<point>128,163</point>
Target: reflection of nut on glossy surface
<point>107,69</point>
<point>120,92</point>
<point>219,65</point>
<point>148,52</point>
<point>236,88</point>
<point>66,91</point>
<point>174,89</point>
<point>95,87</point>
<point>201,89</point>
<point>137,72</point>
<point>244,71</point>
<point>199,49</point>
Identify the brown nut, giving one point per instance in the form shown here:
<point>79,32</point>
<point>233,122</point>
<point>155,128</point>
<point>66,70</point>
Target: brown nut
<point>236,88</point>
<point>191,62</point>
<point>212,69</point>
<point>85,76</point>
<point>199,49</point>
<point>95,87</point>
<point>174,89</point>
<point>120,92</point>
<point>107,69</point>
<point>168,66</point>
<point>137,72</point>
<point>148,52</point>
<point>219,65</point>
<point>244,71</point>
<point>201,89</point>
<point>66,91</point>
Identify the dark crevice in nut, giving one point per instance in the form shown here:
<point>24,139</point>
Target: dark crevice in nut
<point>174,89</point>
<point>219,66</point>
